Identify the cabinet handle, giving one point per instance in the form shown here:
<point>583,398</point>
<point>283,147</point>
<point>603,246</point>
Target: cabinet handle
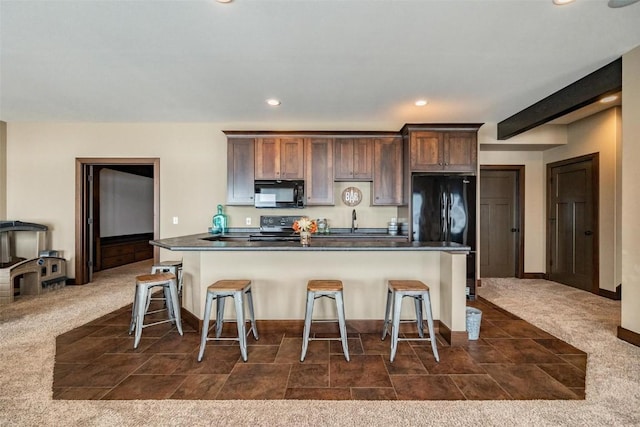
<point>439,163</point>
<point>446,164</point>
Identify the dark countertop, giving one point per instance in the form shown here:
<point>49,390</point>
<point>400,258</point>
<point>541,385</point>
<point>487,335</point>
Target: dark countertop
<point>240,242</point>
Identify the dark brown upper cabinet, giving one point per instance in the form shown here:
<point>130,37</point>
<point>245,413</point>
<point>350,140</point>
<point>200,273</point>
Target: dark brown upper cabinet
<point>279,158</point>
<point>354,159</point>
<point>387,172</point>
<point>442,148</point>
<point>240,168</point>
<point>318,170</point>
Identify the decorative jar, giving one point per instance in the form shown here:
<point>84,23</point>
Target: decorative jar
<point>305,238</point>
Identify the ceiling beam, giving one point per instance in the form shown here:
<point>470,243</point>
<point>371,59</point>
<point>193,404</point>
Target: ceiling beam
<point>604,81</point>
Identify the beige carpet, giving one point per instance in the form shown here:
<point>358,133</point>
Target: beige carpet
<point>29,326</point>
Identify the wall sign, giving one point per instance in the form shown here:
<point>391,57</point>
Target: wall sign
<point>351,196</point>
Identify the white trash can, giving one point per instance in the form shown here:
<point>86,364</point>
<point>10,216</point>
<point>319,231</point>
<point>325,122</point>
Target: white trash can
<point>474,316</point>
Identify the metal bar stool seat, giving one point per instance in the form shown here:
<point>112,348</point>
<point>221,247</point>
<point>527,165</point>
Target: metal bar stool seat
<point>324,289</point>
<point>144,285</point>
<point>396,291</point>
<point>219,291</point>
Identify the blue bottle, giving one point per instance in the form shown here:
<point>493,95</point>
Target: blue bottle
<point>219,222</point>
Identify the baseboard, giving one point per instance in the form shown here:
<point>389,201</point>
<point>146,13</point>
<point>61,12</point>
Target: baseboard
<point>454,338</point>
<point>617,295</point>
<point>533,275</point>
<point>629,336</point>
<point>191,319</point>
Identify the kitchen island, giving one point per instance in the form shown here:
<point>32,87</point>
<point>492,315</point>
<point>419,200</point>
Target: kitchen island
<point>279,272</point>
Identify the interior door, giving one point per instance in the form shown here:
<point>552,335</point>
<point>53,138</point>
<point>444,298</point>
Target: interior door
<point>90,221</point>
<point>572,224</point>
<point>499,223</point>
<point>86,209</point>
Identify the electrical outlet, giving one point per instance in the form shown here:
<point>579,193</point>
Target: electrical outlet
<point>175,219</point>
<point>247,221</point>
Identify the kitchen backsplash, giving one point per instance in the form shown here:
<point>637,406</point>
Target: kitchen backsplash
<point>338,215</point>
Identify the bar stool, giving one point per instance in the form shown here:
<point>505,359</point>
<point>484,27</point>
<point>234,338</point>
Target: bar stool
<point>219,291</point>
<point>173,267</point>
<point>324,289</point>
<point>144,284</point>
<point>396,291</point>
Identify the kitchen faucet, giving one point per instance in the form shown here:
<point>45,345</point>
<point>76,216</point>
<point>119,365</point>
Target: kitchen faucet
<point>354,224</point>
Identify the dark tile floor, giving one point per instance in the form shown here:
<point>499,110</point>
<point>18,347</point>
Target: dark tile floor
<point>512,360</point>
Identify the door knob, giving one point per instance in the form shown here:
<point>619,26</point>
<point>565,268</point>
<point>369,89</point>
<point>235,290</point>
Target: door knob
<point>515,230</point>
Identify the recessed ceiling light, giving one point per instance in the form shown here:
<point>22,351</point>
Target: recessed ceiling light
<point>273,102</point>
<point>225,1</point>
<point>421,102</point>
<point>561,2</point>
<point>609,98</point>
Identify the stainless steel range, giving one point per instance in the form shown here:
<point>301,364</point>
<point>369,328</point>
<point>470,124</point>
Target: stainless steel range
<point>278,228</point>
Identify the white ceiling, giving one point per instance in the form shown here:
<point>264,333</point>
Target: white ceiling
<point>329,61</point>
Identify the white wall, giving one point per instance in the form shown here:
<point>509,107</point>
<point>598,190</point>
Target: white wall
<point>126,203</point>
<point>3,170</point>
<point>631,190</point>
<point>41,171</point>
<point>599,134</point>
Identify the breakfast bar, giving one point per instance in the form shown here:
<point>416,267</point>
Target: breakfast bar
<point>279,271</point>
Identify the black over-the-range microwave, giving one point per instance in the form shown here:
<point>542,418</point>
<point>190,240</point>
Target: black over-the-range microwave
<point>279,194</point>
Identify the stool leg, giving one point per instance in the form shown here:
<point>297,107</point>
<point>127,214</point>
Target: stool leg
<point>141,299</point>
<point>419,324</point>
<point>252,314</point>
<point>205,325</point>
<point>168,303</point>
<point>432,335</point>
<point>174,303</point>
<point>307,324</point>
<point>242,337</point>
<point>343,325</point>
<point>395,327</point>
<point>134,312</point>
<point>220,299</point>
<point>386,314</point>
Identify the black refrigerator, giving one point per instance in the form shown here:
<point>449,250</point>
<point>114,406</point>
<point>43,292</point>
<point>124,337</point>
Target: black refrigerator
<point>444,210</point>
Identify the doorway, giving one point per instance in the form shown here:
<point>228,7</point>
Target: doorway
<point>572,222</point>
<point>86,227</point>
<point>502,221</point>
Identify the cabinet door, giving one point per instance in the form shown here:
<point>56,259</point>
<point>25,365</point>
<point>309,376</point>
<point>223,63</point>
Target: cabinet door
<point>362,159</point>
<point>427,153</point>
<point>387,171</point>
<point>291,158</point>
<point>343,159</point>
<point>240,169</point>
<point>319,171</point>
<point>460,151</point>
<point>267,164</point>
<point>354,159</point>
